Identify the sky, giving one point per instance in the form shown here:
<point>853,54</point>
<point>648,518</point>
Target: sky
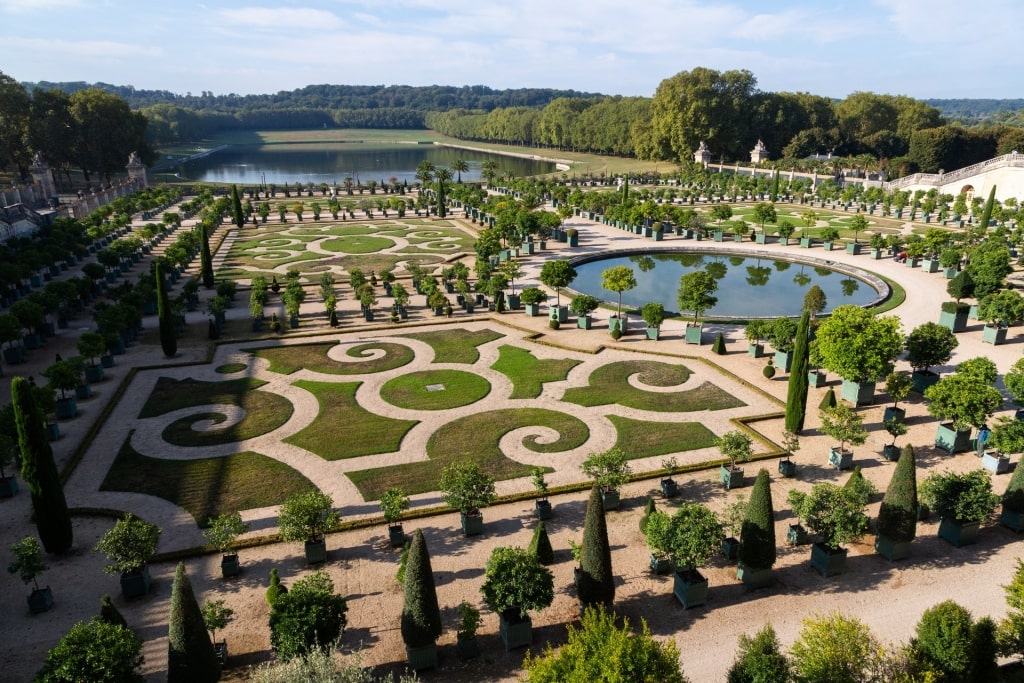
<point>921,48</point>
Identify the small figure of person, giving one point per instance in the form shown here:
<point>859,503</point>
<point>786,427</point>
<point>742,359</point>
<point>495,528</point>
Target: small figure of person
<point>983,434</point>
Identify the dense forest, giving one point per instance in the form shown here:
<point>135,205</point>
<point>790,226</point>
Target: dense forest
<point>93,126</point>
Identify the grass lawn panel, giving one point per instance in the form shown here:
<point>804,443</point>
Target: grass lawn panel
<point>357,244</point>
<point>343,428</point>
<point>474,437</point>
<point>456,345</point>
<point>288,359</point>
<point>529,373</point>
<point>264,412</point>
<point>643,439</point>
<point>207,487</point>
<point>382,262</point>
<point>229,368</point>
<point>411,390</point>
<point>609,384</point>
<point>171,394</point>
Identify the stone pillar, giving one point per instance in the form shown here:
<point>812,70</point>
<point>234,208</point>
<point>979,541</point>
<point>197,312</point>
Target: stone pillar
<point>15,195</point>
<point>42,175</point>
<point>137,170</point>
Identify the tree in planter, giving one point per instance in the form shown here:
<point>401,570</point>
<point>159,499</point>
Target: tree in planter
<point>988,267</point>
<point>556,275</point>
<point>602,650</point>
<point>221,534</point>
<point>542,506</point>
<point>129,545</point>
<point>963,498</point>
<point>596,583</point>
<point>92,345</point>
<point>696,292</point>
<point>307,517</point>
<point>515,583</point>
<point>168,335</point>
<point>755,331</point>
<point>897,386</point>
<point>308,617</point>
<point>764,213</point>
<point>39,471</point>
<point>965,398</point>
<point>757,533</point>
<point>583,305</point>
<point>961,286</point>
<point>94,651</point>
<point>393,503</point>
<point>466,488</point>
<point>216,616</point>
<point>618,279</point>
<point>1002,308</point>
<point>533,296</point>
<point>190,652</point>
<point>930,344</point>
<point>28,565</point>
<point>759,659</point>
<point>897,516</point>
<point>609,470</point>
<point>844,425</point>
<point>421,616</point>
<point>690,537</point>
<point>1010,631</point>
<point>653,314</point>
<point>858,346</point>
<point>833,512</point>
<point>737,446</point>
<point>796,391</point>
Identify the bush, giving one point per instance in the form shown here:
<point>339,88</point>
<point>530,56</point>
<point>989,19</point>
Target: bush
<point>828,401</point>
<point>307,516</point>
<point>309,616</point>
<point>466,488</point>
<point>190,652</point>
<point>719,346</point>
<point>129,544</point>
<point>768,371</point>
<point>554,324</point>
<point>276,588</point>
<point>861,486</point>
<point>515,583</point>
<point>943,640</point>
<point>94,651</point>
<point>596,581</point>
<point>964,497</point>
<point>616,333</point>
<point>648,510</point>
<point>540,545</point>
<point>109,612</point>
<point>421,616</point>
<point>759,659</point>
<point>897,516</point>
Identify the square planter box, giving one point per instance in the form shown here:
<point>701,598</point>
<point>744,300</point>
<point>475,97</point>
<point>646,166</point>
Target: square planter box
<point>136,584</point>
<point>827,246</point>
<point>754,578</point>
<point>616,324</point>
<point>67,408</point>
<point>959,533</point>
<point>875,254</point>
<point>806,242</point>
<point>660,564</point>
<point>841,460</point>
<point>584,322</point>
<point>396,536</point>
<point>230,566</point>
<point>515,631</point>
<point>755,350</point>
<point>8,486</point>
<point>898,414</point>
<point>542,509</point>
<point>922,379</point>
<point>472,524</point>
<point>858,393</point>
<point>730,478</point>
<point>891,452</point>
<point>783,361</point>
<point>828,561</point>
<point>816,379</point>
<point>316,551</point>
<point>930,265</point>
<point>787,468</point>
<point>467,648</point>
<point>94,373</point>
<point>610,499</point>
<point>532,310</point>
<point>423,657</point>
<point>653,333</point>
<point>559,313</point>
<point>952,440</point>
<point>690,588</point>
<point>995,462</point>
<point>993,335</point>
<point>693,334</point>
<point>731,548</point>
<point>956,322</point>
<point>853,248</point>
<point>1011,519</point>
<point>760,238</point>
<point>890,549</point>
<point>797,535</point>
<point>40,600</point>
<point>52,431</point>
<point>669,488</point>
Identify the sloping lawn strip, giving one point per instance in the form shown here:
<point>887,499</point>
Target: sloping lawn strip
<point>459,389</point>
<point>343,428</point>
<point>288,359</point>
<point>474,437</point>
<point>207,487</point>
<point>643,439</point>
<point>609,384</point>
<point>529,373</point>
<point>456,345</point>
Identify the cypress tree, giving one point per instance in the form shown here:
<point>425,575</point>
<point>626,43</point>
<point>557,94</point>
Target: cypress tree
<point>897,516</point>
<point>984,657</point>
<point>828,401</point>
<point>648,511</point>
<point>205,257</point>
<point>39,471</point>
<point>540,545</point>
<point>986,213</point>
<point>597,583</point>
<point>191,657</point>
<point>421,616</point>
<point>109,613</point>
<point>168,338</point>
<point>757,535</point>
<point>1013,497</point>
<point>719,346</point>
<point>796,398</point>
<point>775,187</point>
<point>236,207</point>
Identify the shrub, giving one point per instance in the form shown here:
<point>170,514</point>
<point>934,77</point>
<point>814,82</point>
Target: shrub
<point>276,589</point>
<point>835,649</point>
<point>190,652</point>
<point>943,640</point>
<point>648,509</point>
<point>757,535</point>
<point>515,583</point>
<point>964,497</point>
<point>834,512</point>
<point>769,370</point>
<point>759,659</point>
<point>690,537</point>
<point>466,488</point>
<point>897,516</point>
<point>421,616</point>
<point>861,486</point>
<point>94,651</point>
<point>616,333</point>
<point>554,324</point>
<point>609,469</point>
<point>129,544</point>
<point>309,616</point>
<point>719,346</point>
<point>307,516</point>
<point>1013,497</point>
<point>540,545</point>
<point>596,581</point>
<point>828,401</point>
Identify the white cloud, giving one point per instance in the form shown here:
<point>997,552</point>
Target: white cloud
<point>37,6</point>
<point>277,19</point>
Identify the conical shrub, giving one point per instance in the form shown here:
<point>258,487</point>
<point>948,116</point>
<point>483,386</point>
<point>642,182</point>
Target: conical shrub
<point>1013,498</point>
<point>757,535</point>
<point>648,511</point>
<point>897,516</point>
<point>109,612</point>
<point>828,401</point>
<point>421,616</point>
<point>191,657</point>
<point>719,346</point>
<point>39,471</point>
<point>596,584</point>
<point>168,337</point>
<point>540,545</point>
<point>796,396</point>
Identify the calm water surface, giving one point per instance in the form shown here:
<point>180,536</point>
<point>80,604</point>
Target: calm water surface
<point>333,162</point>
<point>747,287</point>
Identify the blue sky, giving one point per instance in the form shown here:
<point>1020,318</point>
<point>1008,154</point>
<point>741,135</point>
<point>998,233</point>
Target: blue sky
<point>921,48</point>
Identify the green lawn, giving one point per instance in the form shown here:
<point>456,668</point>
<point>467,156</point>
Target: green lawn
<point>456,345</point>
<point>229,368</point>
<point>357,244</point>
<point>529,373</point>
<point>643,439</point>
<point>172,394</point>
<point>288,359</point>
<point>343,428</point>
<point>435,389</point>
<point>474,437</point>
<point>609,384</point>
<point>207,487</point>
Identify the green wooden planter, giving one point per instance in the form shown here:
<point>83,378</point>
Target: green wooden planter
<point>693,334</point>
<point>67,408</point>
<point>956,322</point>
<point>653,333</point>
<point>1012,519</point>
<point>755,350</point>
<point>897,414</point>
<point>787,468</point>
<point>959,533</point>
<point>890,549</point>
<point>584,322</point>
<point>660,564</point>
<point>853,248</point>
<point>858,393</point>
<point>8,486</point>
<point>796,534</point>
<point>396,536</point>
<point>230,566</point>
<point>542,509</point>
<point>669,488</point>
<point>993,335</point>
<point>754,578</point>
<point>806,242</point>
<point>559,313</point>
<point>783,360</point>
<point>690,588</point>
<point>616,324</point>
<point>731,548</point>
<point>828,561</point>
<point>841,460</point>
<point>136,584</point>
<point>922,379</point>
<point>890,452</point>
<point>40,600</point>
<point>610,499</point>
<point>730,478</point>
<point>316,551</point>
<point>875,254</point>
<point>472,524</point>
<point>952,440</point>
<point>816,379</point>
<point>467,648</point>
<point>515,631</point>
<point>995,462</point>
<point>422,657</point>
<point>532,310</point>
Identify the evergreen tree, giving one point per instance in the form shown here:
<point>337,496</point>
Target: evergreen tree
<point>205,257</point>
<point>649,509</point>
<point>759,659</point>
<point>39,471</point>
<point>421,616</point>
<point>757,535</point>
<point>236,207</point>
<point>1013,497</point>
<point>984,664</point>
<point>897,516</point>
<point>597,583</point>
<point>168,338</point>
<point>540,545</point>
<point>719,346</point>
<point>109,612</point>
<point>828,401</point>
<point>191,657</point>
<point>943,641</point>
<point>986,212</point>
<point>796,398</point>
<point>861,486</point>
